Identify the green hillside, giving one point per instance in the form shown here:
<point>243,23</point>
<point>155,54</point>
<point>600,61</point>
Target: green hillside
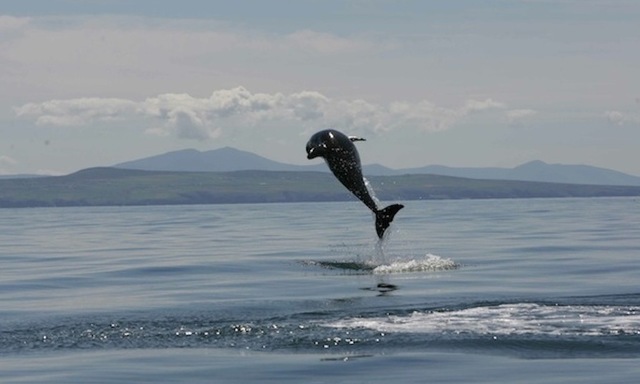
<point>111,186</point>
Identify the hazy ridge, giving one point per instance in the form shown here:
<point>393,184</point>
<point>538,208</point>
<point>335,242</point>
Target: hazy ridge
<point>113,186</point>
<point>229,159</point>
<point>229,175</point>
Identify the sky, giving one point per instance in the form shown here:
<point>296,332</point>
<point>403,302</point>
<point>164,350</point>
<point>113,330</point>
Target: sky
<point>458,83</point>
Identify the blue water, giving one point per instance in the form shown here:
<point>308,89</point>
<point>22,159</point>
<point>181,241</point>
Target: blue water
<point>495,291</point>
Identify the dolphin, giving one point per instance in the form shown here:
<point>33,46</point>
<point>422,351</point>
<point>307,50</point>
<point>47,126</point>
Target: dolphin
<point>343,160</point>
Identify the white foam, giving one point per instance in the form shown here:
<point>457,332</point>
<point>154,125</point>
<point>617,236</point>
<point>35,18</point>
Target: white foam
<point>510,319</point>
<point>428,264</point>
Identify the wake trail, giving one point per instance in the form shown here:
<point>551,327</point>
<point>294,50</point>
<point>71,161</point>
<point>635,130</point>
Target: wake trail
<point>509,319</point>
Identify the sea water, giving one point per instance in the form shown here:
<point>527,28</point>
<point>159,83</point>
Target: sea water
<point>495,291</point>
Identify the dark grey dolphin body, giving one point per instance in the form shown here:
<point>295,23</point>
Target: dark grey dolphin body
<point>343,160</point>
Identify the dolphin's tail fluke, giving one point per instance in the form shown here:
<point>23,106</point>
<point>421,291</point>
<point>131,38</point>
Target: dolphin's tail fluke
<point>384,217</point>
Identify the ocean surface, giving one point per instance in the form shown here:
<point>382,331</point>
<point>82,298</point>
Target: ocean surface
<point>484,291</point>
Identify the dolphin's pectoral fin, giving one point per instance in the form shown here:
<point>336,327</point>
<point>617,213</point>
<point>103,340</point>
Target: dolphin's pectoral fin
<point>384,217</point>
<point>356,138</point>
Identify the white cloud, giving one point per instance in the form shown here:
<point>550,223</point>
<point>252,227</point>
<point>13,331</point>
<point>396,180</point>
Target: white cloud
<point>621,118</point>
<point>325,43</point>
<point>8,23</point>
<point>7,163</point>
<point>76,111</point>
<point>202,118</point>
<point>514,115</point>
<point>481,105</point>
<point>4,159</point>
<point>190,117</point>
<point>615,117</point>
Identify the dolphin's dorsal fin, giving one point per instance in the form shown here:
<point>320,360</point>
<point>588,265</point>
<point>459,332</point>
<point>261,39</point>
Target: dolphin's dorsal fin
<point>356,138</point>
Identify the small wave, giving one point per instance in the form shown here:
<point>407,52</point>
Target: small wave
<point>510,319</point>
<point>430,263</point>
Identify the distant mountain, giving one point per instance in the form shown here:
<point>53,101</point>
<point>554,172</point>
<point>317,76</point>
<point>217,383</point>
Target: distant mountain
<point>575,174</point>
<point>470,173</point>
<point>225,159</point>
<point>537,171</point>
<point>229,159</point>
<point>21,176</point>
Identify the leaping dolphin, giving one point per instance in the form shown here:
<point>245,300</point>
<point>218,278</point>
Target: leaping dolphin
<point>343,160</point>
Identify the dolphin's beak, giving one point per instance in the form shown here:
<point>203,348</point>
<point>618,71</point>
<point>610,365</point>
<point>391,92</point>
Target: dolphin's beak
<point>313,152</point>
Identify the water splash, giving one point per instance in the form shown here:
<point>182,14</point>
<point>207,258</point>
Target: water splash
<point>510,319</point>
<point>429,263</point>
